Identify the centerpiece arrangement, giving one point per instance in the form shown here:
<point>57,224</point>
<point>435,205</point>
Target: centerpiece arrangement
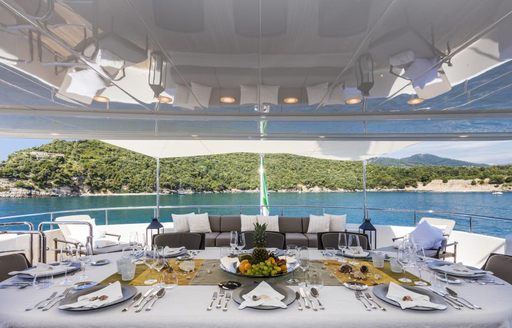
<point>260,262</point>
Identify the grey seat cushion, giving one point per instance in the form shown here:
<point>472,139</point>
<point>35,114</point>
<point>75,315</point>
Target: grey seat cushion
<point>230,223</point>
<point>290,224</point>
<point>190,240</point>
<point>214,223</point>
<point>111,249</point>
<point>312,239</point>
<point>222,239</point>
<point>12,262</point>
<point>297,239</point>
<point>273,239</point>
<point>209,238</point>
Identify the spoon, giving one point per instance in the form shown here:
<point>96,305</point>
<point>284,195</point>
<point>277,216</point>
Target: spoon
<point>159,295</point>
<point>135,299</point>
<point>315,294</point>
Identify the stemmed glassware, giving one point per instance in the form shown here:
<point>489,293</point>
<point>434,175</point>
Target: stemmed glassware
<point>159,262</point>
<point>342,245</point>
<point>304,262</point>
<point>150,259</point>
<point>292,251</point>
<point>66,258</point>
<point>233,241</point>
<point>85,259</point>
<point>241,243</point>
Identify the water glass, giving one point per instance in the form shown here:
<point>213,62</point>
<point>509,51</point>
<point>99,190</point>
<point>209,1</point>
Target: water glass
<point>378,259</point>
<point>85,259</point>
<point>233,241</point>
<point>315,280</point>
<point>127,268</point>
<point>396,266</point>
<point>241,242</point>
<point>41,282</point>
<point>329,252</point>
<point>66,259</point>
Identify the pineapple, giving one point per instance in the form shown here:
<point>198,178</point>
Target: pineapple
<point>260,253</point>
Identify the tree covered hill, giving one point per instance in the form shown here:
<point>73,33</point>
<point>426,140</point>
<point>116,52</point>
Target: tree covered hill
<point>421,160</point>
<point>95,167</point>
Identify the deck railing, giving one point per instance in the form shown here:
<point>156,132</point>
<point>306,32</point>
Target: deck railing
<point>411,214</point>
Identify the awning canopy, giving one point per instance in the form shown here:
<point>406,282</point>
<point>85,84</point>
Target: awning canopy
<point>337,150</point>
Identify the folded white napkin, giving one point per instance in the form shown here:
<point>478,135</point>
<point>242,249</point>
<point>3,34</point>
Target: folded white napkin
<point>458,268</point>
<point>267,296</point>
<point>111,293</point>
<point>397,294</point>
<point>42,269</point>
<point>356,251</point>
<point>168,251</point>
<point>230,263</point>
<point>105,242</point>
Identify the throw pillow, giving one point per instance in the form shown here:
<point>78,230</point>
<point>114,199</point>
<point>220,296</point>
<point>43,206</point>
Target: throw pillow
<point>337,222</point>
<point>427,236</point>
<point>199,223</point>
<point>181,222</point>
<point>318,223</point>
<point>271,221</point>
<point>247,222</point>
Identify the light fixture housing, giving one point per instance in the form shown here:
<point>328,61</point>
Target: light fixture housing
<point>291,100</point>
<point>157,72</point>
<point>227,100</point>
<point>415,100</point>
<point>364,74</point>
<point>352,96</point>
<point>101,99</point>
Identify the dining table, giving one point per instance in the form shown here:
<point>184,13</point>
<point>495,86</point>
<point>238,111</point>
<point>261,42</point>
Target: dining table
<point>185,306</point>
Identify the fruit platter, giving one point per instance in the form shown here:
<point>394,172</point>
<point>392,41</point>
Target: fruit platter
<point>260,263</point>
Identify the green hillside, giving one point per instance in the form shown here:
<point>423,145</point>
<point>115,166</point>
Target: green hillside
<point>93,166</point>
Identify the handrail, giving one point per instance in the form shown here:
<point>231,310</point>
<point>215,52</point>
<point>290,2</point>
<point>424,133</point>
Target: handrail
<point>468,216</point>
<point>52,223</point>
<point>30,226</point>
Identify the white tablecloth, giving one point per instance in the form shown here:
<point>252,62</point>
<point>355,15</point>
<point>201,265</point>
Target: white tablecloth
<point>185,306</point>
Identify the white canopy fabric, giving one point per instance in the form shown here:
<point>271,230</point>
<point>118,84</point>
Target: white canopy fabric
<point>336,150</point>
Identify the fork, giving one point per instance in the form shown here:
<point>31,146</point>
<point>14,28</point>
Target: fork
<point>228,298</point>
<point>54,301</point>
<point>360,299</point>
<point>221,295</point>
<point>46,300</point>
<point>370,298</point>
<point>214,297</point>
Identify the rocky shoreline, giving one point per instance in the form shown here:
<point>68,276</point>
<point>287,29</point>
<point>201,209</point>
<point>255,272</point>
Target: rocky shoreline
<point>8,189</point>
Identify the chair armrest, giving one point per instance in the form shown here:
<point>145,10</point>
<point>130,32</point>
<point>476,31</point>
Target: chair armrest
<point>397,238</point>
<point>57,240</point>
<point>113,235</point>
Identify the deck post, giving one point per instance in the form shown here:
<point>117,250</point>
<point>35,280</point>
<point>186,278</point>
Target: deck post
<point>157,213</point>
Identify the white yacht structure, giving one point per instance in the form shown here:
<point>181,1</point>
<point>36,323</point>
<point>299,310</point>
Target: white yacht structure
<point>332,79</point>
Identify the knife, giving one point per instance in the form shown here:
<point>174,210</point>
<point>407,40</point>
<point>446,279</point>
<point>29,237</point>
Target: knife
<point>461,299</point>
<point>146,294</point>
<point>304,297</point>
<point>147,299</point>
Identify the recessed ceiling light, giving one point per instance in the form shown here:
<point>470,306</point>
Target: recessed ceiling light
<point>463,136</point>
<point>194,135</point>
<point>101,99</point>
<point>227,100</point>
<point>353,101</point>
<point>165,99</point>
<point>415,100</point>
<point>321,137</point>
<point>291,100</point>
<point>55,134</point>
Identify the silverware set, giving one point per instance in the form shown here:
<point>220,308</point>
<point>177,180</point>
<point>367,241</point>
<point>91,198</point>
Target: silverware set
<point>368,301</point>
<point>220,300</point>
<point>150,297</point>
<point>50,301</point>
<point>309,298</point>
<point>453,299</point>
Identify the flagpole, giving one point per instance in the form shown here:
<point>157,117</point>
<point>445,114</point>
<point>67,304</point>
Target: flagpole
<point>263,187</point>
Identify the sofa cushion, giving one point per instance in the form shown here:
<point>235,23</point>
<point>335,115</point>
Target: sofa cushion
<point>222,239</point>
<point>290,224</point>
<point>214,223</point>
<point>199,223</point>
<point>230,223</point>
<point>312,239</point>
<point>318,223</point>
<point>210,238</point>
<point>296,238</point>
<point>247,222</point>
<point>272,222</point>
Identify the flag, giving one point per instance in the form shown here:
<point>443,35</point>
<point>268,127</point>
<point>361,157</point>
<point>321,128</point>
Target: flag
<point>264,209</point>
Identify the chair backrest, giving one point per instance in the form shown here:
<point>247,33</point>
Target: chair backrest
<point>500,265</point>
<point>230,223</point>
<point>273,239</point>
<point>12,262</point>
<point>331,239</point>
<point>189,240</point>
<point>76,232</point>
<point>446,225</point>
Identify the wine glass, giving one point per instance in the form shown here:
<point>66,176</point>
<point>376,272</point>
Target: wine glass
<point>342,245</point>
<point>233,241</point>
<point>85,258</point>
<point>159,261</point>
<point>292,251</point>
<point>241,242</point>
<point>134,238</point>
<point>304,262</point>
<point>66,259</point>
<point>150,260</point>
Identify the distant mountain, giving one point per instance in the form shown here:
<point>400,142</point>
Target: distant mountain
<point>422,160</point>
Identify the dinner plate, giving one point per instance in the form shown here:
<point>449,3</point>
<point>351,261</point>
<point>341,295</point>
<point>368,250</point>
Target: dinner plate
<point>289,296</point>
<point>128,293</point>
<point>366,256</point>
<point>74,267</point>
<point>382,290</point>
<point>438,266</point>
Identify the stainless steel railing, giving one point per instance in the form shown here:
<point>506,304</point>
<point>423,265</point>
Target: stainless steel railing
<point>413,214</point>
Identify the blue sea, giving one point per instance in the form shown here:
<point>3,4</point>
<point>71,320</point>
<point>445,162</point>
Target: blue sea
<point>477,203</point>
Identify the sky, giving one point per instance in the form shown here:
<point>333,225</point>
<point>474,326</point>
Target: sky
<point>486,152</point>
